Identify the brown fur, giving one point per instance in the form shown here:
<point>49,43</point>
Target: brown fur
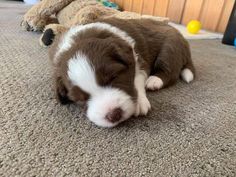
<point>162,50</point>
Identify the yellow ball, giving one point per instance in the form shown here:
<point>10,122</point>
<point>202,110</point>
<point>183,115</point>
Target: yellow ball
<point>194,26</point>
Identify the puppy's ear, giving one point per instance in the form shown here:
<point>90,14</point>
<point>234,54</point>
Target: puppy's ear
<point>62,92</point>
<point>123,53</point>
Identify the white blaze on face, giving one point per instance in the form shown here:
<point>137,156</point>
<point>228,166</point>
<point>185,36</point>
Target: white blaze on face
<point>102,99</point>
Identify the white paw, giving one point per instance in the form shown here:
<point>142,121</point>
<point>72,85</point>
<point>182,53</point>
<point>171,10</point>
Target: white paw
<point>154,83</point>
<point>187,75</point>
<point>143,106</point>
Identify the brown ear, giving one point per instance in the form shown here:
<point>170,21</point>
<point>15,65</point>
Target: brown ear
<point>122,53</point>
<point>61,92</point>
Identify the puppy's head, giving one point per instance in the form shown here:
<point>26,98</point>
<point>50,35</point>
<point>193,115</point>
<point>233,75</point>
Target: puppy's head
<point>100,72</point>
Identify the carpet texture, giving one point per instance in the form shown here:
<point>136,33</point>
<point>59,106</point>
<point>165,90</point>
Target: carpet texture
<point>191,130</point>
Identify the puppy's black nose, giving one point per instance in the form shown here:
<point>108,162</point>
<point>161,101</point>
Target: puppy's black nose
<point>115,115</point>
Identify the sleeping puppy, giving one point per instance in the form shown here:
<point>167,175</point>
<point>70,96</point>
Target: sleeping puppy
<point>109,65</point>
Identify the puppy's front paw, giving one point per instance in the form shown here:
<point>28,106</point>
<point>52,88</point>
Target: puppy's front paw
<point>154,83</point>
<point>143,106</point>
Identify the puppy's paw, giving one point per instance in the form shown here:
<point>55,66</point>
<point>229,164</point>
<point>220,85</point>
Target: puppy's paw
<point>154,83</point>
<point>143,106</point>
<point>47,37</point>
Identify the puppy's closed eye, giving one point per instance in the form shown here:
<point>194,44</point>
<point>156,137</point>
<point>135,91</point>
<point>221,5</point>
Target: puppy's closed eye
<point>108,72</point>
<point>119,59</point>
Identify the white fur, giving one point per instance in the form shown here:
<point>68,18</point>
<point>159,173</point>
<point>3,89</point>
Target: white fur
<point>154,83</point>
<point>143,104</point>
<point>67,40</point>
<point>105,101</point>
<point>187,75</point>
<point>102,99</point>
<point>81,73</point>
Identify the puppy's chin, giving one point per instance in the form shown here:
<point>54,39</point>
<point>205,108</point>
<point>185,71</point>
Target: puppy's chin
<point>107,100</point>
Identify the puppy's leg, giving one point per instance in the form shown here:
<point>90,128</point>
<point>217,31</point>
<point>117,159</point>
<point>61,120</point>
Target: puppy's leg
<point>173,60</point>
<point>188,72</point>
<point>162,75</point>
<point>39,15</point>
<point>164,78</point>
<point>49,34</point>
<point>143,104</point>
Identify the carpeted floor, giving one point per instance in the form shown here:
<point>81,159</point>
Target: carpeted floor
<point>191,130</point>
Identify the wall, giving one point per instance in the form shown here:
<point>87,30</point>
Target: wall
<point>213,14</point>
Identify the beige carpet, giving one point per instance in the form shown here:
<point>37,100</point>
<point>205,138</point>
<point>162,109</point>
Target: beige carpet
<point>191,130</point>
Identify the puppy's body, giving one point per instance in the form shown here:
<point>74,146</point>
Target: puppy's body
<point>161,49</point>
<point>107,63</point>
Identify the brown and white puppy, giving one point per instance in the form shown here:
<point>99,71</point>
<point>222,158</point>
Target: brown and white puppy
<point>109,63</point>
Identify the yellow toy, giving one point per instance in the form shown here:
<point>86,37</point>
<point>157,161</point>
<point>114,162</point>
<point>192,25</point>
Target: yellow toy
<point>194,26</point>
